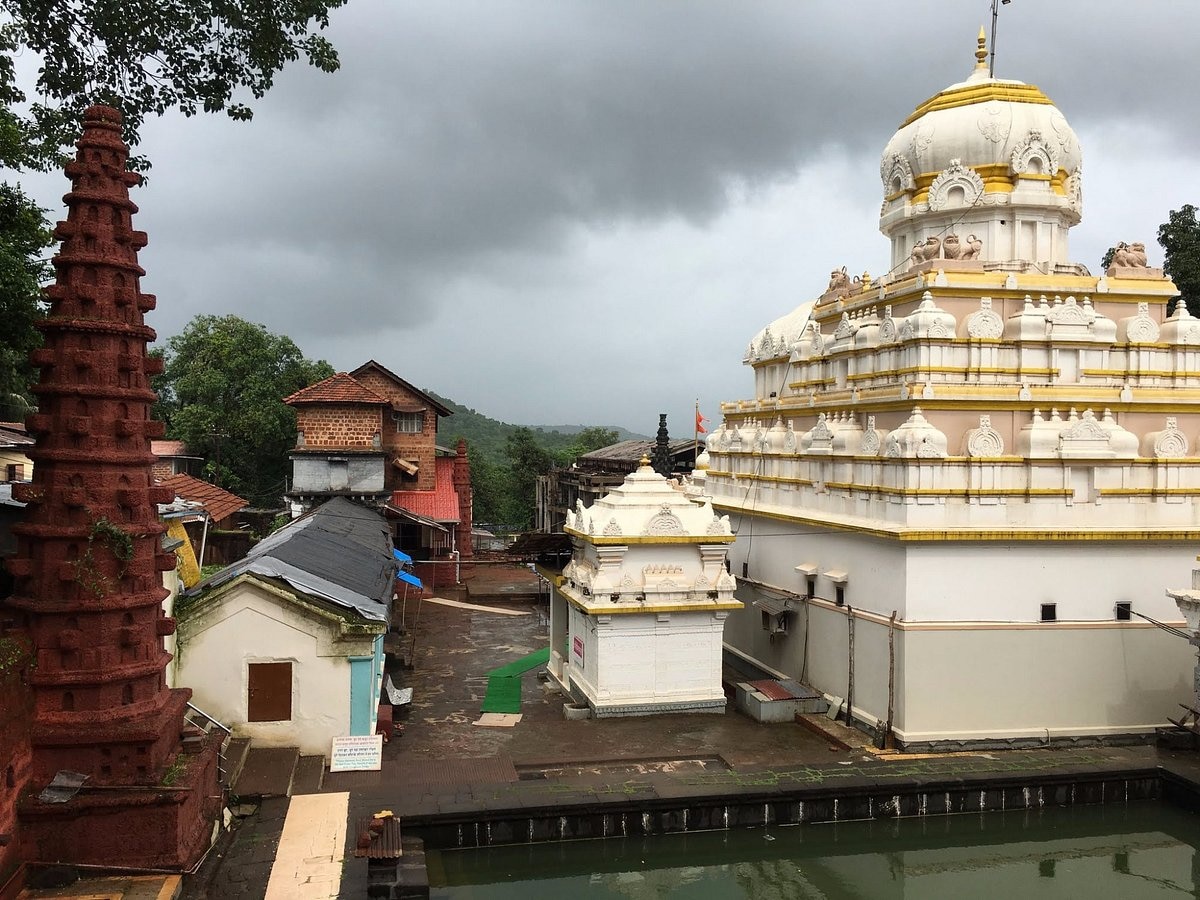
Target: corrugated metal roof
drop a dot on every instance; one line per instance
(440, 504)
(632, 451)
(339, 552)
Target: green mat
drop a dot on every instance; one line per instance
(504, 684)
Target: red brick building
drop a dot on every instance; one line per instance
(372, 436)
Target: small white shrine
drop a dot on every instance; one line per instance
(637, 622)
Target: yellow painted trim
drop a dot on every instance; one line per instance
(1138, 373)
(902, 625)
(968, 96)
(621, 609)
(947, 535)
(1030, 176)
(913, 492)
(1149, 492)
(620, 540)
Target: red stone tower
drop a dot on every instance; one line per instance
(89, 559)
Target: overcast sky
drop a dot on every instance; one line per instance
(580, 212)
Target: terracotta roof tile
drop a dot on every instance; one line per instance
(219, 502)
(168, 448)
(339, 388)
(440, 504)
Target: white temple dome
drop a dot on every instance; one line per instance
(777, 338)
(968, 158)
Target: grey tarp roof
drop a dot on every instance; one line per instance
(339, 552)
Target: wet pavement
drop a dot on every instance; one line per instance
(443, 767)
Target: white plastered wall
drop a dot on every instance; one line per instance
(247, 625)
(972, 659)
(646, 659)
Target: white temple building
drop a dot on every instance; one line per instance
(637, 622)
(957, 488)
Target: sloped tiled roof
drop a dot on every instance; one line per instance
(219, 502)
(439, 408)
(339, 388)
(169, 448)
(13, 434)
(440, 504)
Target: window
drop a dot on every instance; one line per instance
(811, 585)
(409, 422)
(1124, 611)
(839, 594)
(269, 692)
(1049, 612)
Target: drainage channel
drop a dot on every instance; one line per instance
(544, 820)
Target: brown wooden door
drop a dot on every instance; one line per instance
(270, 692)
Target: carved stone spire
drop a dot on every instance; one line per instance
(661, 458)
(89, 559)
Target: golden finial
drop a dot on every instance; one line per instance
(981, 51)
(645, 460)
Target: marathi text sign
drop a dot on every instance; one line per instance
(357, 753)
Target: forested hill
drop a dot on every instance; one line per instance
(489, 437)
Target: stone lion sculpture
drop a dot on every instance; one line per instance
(973, 249)
(926, 251)
(838, 280)
(1129, 255)
(951, 248)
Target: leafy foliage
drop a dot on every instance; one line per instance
(1180, 238)
(506, 459)
(222, 395)
(145, 57)
(23, 238)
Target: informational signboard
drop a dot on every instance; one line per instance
(357, 753)
(577, 647)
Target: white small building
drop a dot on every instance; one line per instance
(637, 622)
(286, 645)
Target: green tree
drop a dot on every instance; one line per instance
(527, 460)
(1180, 239)
(23, 238)
(591, 438)
(145, 57)
(489, 488)
(222, 392)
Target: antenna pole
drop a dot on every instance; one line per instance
(996, 4)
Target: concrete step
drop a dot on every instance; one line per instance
(235, 751)
(310, 775)
(268, 772)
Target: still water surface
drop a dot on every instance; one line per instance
(1142, 850)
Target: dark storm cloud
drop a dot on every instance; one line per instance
(450, 178)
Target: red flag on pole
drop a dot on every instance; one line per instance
(700, 420)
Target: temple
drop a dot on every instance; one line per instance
(88, 587)
(959, 487)
(637, 619)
